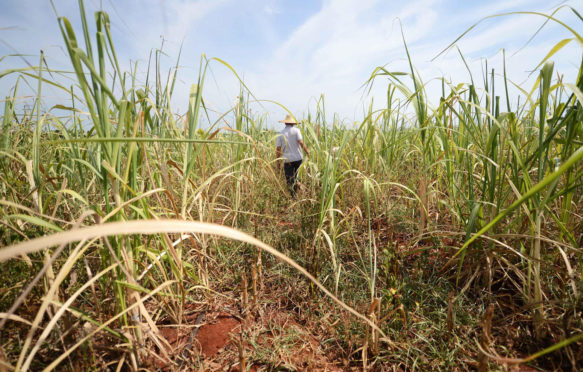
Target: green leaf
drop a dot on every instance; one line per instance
(35, 221)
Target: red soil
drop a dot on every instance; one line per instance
(214, 336)
(211, 340)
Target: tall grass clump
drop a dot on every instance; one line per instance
(432, 229)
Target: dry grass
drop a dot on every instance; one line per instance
(448, 239)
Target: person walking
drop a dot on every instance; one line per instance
(288, 144)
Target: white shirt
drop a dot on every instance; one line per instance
(288, 140)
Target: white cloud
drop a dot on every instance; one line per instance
(335, 50)
(272, 7)
(185, 15)
(332, 51)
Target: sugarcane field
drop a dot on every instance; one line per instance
(330, 185)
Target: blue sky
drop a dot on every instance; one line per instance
(294, 51)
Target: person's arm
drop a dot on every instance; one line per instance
(301, 141)
(304, 147)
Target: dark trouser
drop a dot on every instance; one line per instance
(291, 172)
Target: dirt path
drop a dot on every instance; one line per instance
(222, 340)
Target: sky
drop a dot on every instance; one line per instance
(294, 51)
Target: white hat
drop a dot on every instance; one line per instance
(289, 120)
